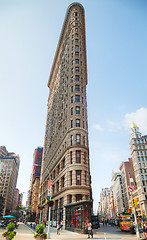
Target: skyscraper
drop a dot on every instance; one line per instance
(138, 145)
(66, 151)
(35, 182)
(10, 162)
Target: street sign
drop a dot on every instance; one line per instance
(131, 189)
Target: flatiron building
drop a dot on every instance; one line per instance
(66, 151)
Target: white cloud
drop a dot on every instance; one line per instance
(139, 117)
(98, 127)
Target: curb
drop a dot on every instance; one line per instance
(29, 228)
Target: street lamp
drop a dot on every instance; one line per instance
(135, 215)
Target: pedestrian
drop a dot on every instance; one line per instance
(90, 232)
(61, 225)
(45, 222)
(145, 229)
(58, 228)
(106, 222)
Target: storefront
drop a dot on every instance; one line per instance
(78, 215)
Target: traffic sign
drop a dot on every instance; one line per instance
(131, 189)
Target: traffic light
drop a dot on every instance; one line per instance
(134, 202)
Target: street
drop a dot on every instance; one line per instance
(109, 232)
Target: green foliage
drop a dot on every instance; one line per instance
(40, 228)
(42, 235)
(10, 226)
(9, 232)
(12, 235)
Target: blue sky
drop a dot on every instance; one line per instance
(117, 78)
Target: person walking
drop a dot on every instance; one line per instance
(90, 232)
(58, 228)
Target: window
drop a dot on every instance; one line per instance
(77, 110)
(144, 189)
(144, 152)
(76, 14)
(77, 88)
(76, 29)
(76, 54)
(63, 163)
(72, 89)
(141, 153)
(70, 177)
(77, 61)
(76, 34)
(143, 147)
(62, 181)
(142, 140)
(72, 70)
(71, 111)
(77, 69)
(84, 140)
(83, 124)
(77, 138)
(76, 40)
(138, 141)
(77, 122)
(78, 156)
(139, 164)
(142, 177)
(72, 79)
(71, 139)
(135, 141)
(57, 186)
(137, 153)
(53, 187)
(84, 157)
(71, 123)
(143, 165)
(142, 158)
(76, 47)
(72, 99)
(78, 177)
(77, 98)
(72, 62)
(77, 78)
(70, 157)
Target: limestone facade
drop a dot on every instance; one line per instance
(66, 151)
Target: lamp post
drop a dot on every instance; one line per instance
(135, 215)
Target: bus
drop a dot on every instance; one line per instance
(95, 221)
